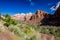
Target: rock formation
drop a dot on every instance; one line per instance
(19, 17)
(57, 12)
(28, 16)
(36, 19)
(22, 17)
(56, 17)
(43, 18)
(40, 18)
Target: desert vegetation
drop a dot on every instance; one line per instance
(8, 20)
(0, 30)
(27, 31)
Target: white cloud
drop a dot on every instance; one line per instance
(29, 13)
(22, 13)
(52, 8)
(19, 14)
(58, 4)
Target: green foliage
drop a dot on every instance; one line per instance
(1, 18)
(7, 16)
(6, 24)
(9, 21)
(14, 22)
(24, 31)
(50, 30)
(29, 32)
(0, 30)
(14, 29)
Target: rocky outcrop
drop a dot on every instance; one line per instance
(28, 16)
(36, 19)
(57, 12)
(55, 19)
(40, 18)
(19, 17)
(22, 17)
(43, 18)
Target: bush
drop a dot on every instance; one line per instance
(9, 21)
(25, 32)
(6, 24)
(50, 30)
(0, 30)
(31, 32)
(15, 30)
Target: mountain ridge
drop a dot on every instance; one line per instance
(41, 18)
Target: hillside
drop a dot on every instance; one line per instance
(39, 26)
(23, 31)
(40, 18)
(5, 34)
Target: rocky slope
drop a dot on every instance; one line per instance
(5, 34)
(37, 18)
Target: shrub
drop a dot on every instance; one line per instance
(25, 32)
(15, 29)
(50, 30)
(31, 32)
(0, 30)
(9, 21)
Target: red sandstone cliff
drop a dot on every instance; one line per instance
(38, 17)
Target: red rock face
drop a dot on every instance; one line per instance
(19, 17)
(32, 18)
(42, 14)
(43, 18)
(28, 17)
(38, 17)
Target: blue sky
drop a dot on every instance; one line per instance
(24, 6)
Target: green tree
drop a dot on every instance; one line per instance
(7, 16)
(0, 17)
(9, 21)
